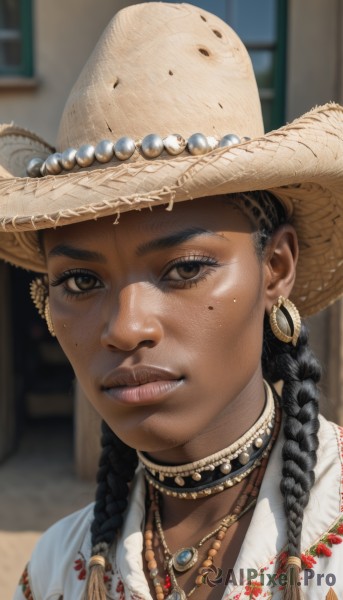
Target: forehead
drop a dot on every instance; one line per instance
(216, 214)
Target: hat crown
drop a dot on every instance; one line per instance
(163, 68)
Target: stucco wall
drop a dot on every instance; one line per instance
(314, 54)
(314, 76)
(65, 32)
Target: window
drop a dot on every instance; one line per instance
(16, 38)
(261, 24)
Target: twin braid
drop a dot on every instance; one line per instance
(300, 372)
(116, 469)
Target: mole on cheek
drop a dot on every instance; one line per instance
(210, 307)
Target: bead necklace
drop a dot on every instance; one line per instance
(218, 471)
(186, 557)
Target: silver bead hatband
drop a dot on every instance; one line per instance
(150, 147)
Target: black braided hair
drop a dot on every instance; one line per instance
(298, 368)
(300, 373)
(117, 465)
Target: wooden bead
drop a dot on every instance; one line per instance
(159, 589)
(220, 535)
(148, 534)
(212, 552)
(206, 563)
(216, 545)
(149, 555)
(152, 564)
(199, 581)
(160, 596)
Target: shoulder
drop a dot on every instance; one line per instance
(59, 556)
(326, 495)
(330, 451)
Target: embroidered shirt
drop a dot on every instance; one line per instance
(57, 569)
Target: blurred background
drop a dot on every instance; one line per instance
(48, 432)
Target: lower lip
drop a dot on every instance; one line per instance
(146, 394)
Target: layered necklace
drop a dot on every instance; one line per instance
(183, 559)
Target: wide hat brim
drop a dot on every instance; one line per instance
(301, 163)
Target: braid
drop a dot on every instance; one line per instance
(117, 465)
(300, 372)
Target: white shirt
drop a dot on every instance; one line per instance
(52, 574)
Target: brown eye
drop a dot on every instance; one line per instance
(81, 283)
(188, 270)
(185, 271)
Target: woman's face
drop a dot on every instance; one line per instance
(161, 317)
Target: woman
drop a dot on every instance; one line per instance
(177, 321)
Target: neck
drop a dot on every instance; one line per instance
(240, 413)
(239, 416)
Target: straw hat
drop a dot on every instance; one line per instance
(160, 70)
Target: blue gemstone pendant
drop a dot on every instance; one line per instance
(177, 594)
(184, 559)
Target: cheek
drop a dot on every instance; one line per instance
(76, 331)
(229, 338)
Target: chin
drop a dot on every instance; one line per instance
(149, 438)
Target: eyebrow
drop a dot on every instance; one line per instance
(76, 253)
(174, 239)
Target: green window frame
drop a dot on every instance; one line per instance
(18, 60)
(272, 93)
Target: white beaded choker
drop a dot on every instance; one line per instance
(244, 452)
(151, 146)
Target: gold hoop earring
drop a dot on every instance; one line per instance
(285, 321)
(48, 318)
(40, 298)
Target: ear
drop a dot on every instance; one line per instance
(280, 260)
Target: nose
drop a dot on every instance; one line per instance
(131, 320)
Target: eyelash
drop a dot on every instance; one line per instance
(202, 261)
(72, 274)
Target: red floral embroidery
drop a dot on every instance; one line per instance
(322, 549)
(281, 564)
(253, 589)
(120, 590)
(80, 566)
(25, 584)
(340, 529)
(307, 561)
(332, 538)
